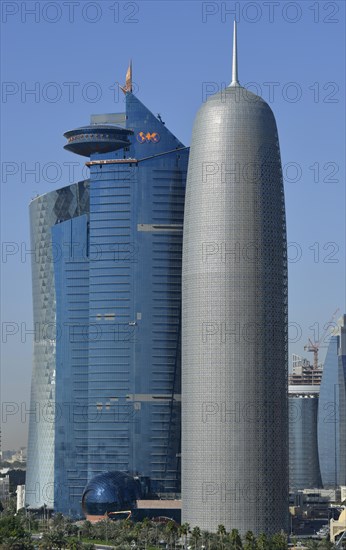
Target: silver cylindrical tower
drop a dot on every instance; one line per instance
(234, 320)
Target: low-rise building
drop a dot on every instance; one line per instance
(20, 497)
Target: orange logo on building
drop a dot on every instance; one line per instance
(153, 137)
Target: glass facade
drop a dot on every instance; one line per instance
(72, 313)
(46, 211)
(134, 380)
(329, 417)
(114, 293)
(304, 469)
(342, 399)
(110, 492)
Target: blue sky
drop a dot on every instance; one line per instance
(73, 54)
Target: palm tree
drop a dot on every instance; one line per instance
(58, 520)
(326, 545)
(87, 529)
(58, 539)
(279, 541)
(145, 527)
(184, 530)
(196, 535)
(221, 532)
(236, 543)
(250, 541)
(46, 541)
(262, 542)
(74, 544)
(206, 538)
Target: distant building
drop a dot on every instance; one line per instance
(304, 469)
(19, 456)
(342, 398)
(314, 496)
(4, 489)
(303, 373)
(329, 417)
(17, 477)
(7, 455)
(20, 497)
(343, 493)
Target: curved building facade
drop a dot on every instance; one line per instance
(234, 319)
(329, 417)
(45, 212)
(110, 492)
(342, 398)
(304, 468)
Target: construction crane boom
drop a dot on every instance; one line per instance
(314, 348)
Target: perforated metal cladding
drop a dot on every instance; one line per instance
(234, 320)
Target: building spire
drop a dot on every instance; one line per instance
(128, 80)
(235, 81)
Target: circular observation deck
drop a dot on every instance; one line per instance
(100, 138)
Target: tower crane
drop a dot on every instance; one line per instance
(314, 348)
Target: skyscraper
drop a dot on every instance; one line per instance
(342, 397)
(234, 319)
(46, 211)
(117, 289)
(304, 468)
(329, 417)
(332, 410)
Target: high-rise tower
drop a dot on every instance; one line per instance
(234, 319)
(304, 467)
(332, 410)
(111, 301)
(55, 207)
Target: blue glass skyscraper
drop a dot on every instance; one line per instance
(342, 398)
(328, 417)
(117, 287)
(46, 211)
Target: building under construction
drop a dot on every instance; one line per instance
(303, 394)
(304, 373)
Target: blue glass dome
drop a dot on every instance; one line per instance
(110, 492)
